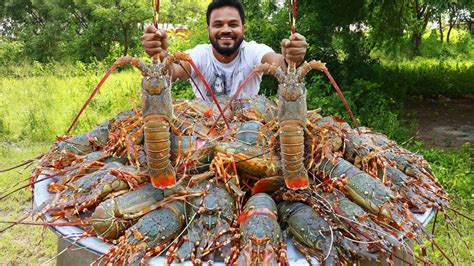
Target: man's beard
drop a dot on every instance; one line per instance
(227, 51)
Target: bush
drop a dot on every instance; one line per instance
(426, 77)
(10, 52)
(369, 103)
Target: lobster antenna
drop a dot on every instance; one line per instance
(192, 80)
(236, 94)
(94, 92)
(25, 163)
(292, 15)
(343, 99)
(14, 223)
(156, 11)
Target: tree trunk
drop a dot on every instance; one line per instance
(416, 41)
(451, 26)
(440, 22)
(125, 39)
(423, 13)
(452, 20)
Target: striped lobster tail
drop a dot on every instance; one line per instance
(157, 145)
(292, 151)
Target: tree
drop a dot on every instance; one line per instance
(423, 12)
(181, 12)
(440, 11)
(86, 29)
(120, 19)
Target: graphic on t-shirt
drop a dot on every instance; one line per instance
(219, 85)
(225, 78)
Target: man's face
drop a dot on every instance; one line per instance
(226, 31)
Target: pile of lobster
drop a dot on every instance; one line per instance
(189, 180)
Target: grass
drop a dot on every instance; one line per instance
(455, 170)
(36, 108)
(22, 244)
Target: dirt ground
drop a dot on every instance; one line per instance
(445, 123)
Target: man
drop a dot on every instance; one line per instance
(229, 59)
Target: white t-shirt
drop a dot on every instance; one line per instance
(225, 79)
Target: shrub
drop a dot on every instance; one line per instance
(426, 77)
(369, 103)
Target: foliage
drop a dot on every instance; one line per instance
(366, 101)
(454, 169)
(426, 77)
(182, 12)
(198, 35)
(10, 51)
(85, 30)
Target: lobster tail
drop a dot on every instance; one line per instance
(292, 151)
(157, 145)
(167, 178)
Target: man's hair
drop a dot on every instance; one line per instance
(222, 3)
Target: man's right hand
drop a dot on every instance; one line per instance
(155, 42)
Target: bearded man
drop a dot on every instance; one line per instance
(228, 59)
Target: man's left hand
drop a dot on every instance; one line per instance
(294, 48)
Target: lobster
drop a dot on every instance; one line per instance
(208, 216)
(292, 119)
(338, 212)
(157, 113)
(261, 236)
(404, 166)
(125, 136)
(312, 234)
(149, 236)
(210, 225)
(112, 217)
(86, 142)
(69, 150)
(89, 189)
(345, 233)
(157, 116)
(249, 160)
(366, 191)
(404, 172)
(257, 107)
(248, 133)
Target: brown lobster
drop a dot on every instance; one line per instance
(292, 119)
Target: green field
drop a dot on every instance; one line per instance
(36, 108)
(33, 111)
